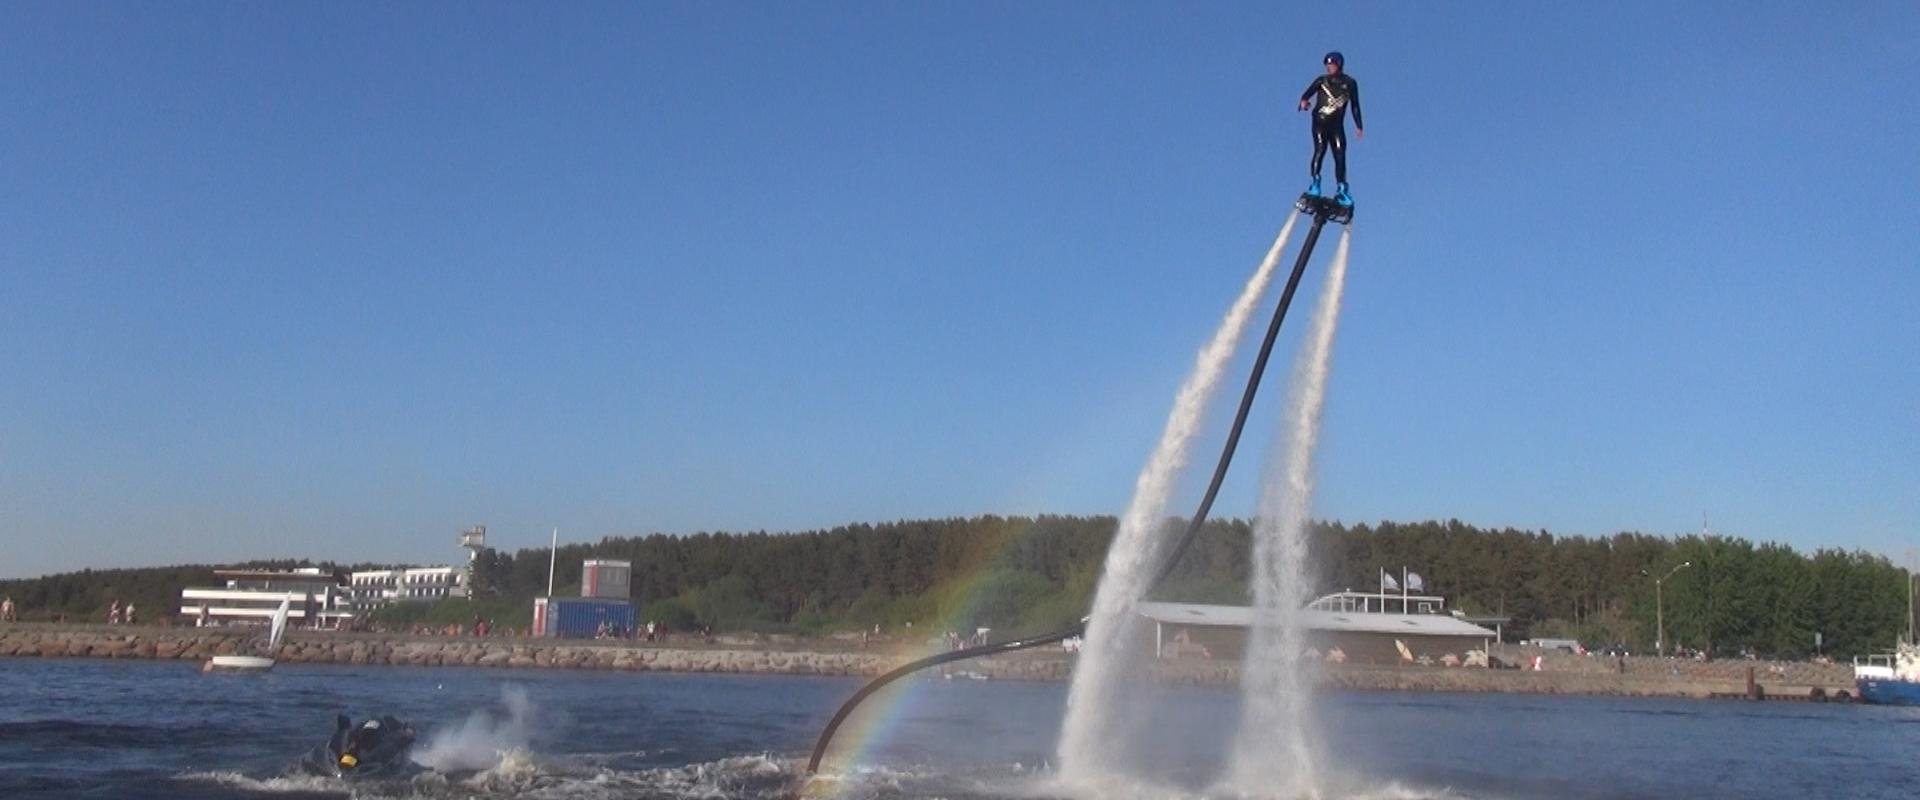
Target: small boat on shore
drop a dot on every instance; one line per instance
(254, 664)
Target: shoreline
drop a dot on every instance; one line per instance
(1561, 674)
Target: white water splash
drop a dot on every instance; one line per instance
(1097, 699)
(1275, 753)
(520, 777)
(285, 784)
(758, 777)
(484, 740)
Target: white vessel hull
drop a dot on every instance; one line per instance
(254, 663)
(237, 664)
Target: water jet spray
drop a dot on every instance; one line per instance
(1321, 210)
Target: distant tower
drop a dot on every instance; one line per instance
(475, 540)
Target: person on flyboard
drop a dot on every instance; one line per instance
(1330, 96)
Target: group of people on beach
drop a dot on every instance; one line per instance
(652, 631)
(116, 614)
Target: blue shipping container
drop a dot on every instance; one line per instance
(580, 617)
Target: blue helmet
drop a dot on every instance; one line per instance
(1335, 59)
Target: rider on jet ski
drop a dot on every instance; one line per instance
(377, 742)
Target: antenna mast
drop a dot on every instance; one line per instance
(553, 557)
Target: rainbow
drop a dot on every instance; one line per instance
(956, 602)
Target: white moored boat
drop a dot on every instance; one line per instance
(254, 663)
(1890, 680)
(1893, 679)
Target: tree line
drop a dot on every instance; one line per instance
(1026, 574)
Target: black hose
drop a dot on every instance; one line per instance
(1246, 404)
(1193, 526)
(826, 736)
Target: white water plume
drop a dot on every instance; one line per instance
(1274, 754)
(1099, 687)
(484, 740)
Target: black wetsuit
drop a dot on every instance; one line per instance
(375, 745)
(1331, 96)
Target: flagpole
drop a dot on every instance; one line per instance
(1403, 588)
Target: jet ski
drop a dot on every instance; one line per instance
(377, 748)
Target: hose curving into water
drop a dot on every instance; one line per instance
(1320, 212)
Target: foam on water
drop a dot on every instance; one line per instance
(747, 777)
(286, 784)
(518, 774)
(760, 777)
(1333, 785)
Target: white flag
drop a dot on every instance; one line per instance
(1414, 583)
(1388, 584)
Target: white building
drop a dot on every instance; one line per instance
(314, 598)
(374, 588)
(1367, 627)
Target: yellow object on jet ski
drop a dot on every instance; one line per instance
(347, 760)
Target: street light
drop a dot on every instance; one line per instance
(1660, 607)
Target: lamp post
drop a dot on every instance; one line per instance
(1660, 607)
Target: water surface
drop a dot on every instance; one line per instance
(92, 728)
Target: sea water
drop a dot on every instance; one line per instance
(97, 728)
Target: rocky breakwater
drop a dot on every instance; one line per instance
(590, 656)
(308, 647)
(1561, 673)
(101, 641)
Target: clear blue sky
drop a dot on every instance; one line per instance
(335, 281)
